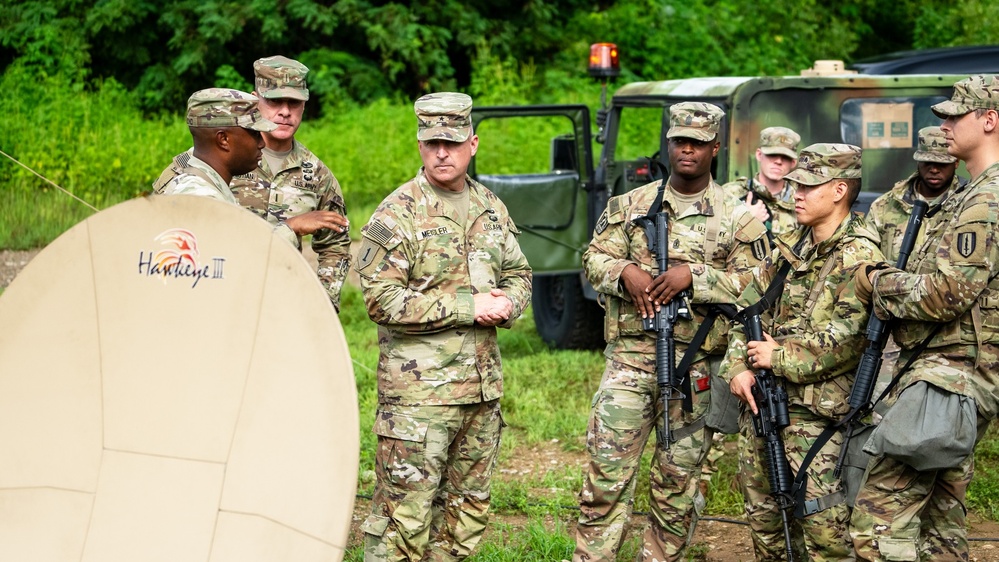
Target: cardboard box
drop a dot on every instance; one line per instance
(886, 125)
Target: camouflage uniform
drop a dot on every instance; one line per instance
(890, 212)
(819, 327)
(627, 404)
(773, 140)
(439, 373)
(889, 215)
(218, 107)
(198, 178)
(304, 183)
(781, 207)
(902, 513)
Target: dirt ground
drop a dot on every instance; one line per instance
(723, 541)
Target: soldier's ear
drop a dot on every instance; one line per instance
(840, 190)
(222, 139)
(991, 120)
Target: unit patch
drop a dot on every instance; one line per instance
(367, 253)
(759, 249)
(601, 223)
(966, 242)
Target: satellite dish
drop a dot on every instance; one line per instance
(174, 386)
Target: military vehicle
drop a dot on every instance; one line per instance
(555, 191)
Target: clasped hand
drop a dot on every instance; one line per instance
(492, 308)
(649, 294)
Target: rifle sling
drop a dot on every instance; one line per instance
(804, 508)
(683, 368)
(729, 311)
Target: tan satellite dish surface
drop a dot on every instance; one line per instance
(174, 386)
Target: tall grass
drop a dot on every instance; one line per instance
(95, 144)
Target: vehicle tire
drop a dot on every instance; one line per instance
(564, 318)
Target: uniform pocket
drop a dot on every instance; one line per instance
(401, 454)
(829, 397)
(375, 525)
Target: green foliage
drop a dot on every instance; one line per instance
(371, 149)
(163, 51)
(93, 142)
(983, 493)
(227, 77)
(362, 341)
(534, 542)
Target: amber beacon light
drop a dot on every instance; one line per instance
(603, 60)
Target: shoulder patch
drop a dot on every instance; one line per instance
(602, 223)
(969, 243)
(616, 211)
(367, 253)
(382, 231)
(759, 247)
(379, 233)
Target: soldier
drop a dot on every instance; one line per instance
(935, 177)
(291, 185)
(814, 336)
(713, 245)
(226, 127)
(768, 195)
(948, 297)
(441, 269)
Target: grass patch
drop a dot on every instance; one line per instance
(983, 493)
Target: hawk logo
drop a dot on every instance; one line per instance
(966, 243)
(179, 258)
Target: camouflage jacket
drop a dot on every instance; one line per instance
(781, 208)
(951, 279)
(303, 184)
(818, 322)
(198, 178)
(418, 272)
(739, 243)
(889, 214)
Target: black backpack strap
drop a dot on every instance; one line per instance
(804, 508)
(683, 368)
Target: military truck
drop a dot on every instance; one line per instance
(555, 191)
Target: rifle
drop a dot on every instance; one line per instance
(877, 336)
(773, 417)
(657, 231)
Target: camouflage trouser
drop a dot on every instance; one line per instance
(432, 469)
(905, 514)
(625, 409)
(821, 536)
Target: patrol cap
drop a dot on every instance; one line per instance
(444, 116)
(222, 107)
(974, 92)
(933, 147)
(695, 120)
(779, 140)
(824, 162)
(280, 77)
